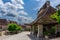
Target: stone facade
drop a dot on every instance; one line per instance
(3, 24)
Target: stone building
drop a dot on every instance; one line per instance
(3, 24)
(43, 21)
(9, 21)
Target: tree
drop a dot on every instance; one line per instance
(14, 27)
(56, 16)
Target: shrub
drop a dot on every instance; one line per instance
(46, 33)
(19, 28)
(56, 16)
(52, 30)
(14, 27)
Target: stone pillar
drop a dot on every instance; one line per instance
(56, 29)
(40, 31)
(33, 29)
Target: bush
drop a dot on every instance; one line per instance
(52, 30)
(56, 16)
(14, 27)
(46, 33)
(19, 28)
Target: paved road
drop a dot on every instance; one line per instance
(20, 36)
(56, 39)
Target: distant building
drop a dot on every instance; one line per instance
(12, 21)
(3, 24)
(27, 27)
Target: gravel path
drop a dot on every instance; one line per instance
(56, 39)
(20, 36)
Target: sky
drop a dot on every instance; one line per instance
(22, 11)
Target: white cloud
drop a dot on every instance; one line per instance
(40, 0)
(24, 19)
(37, 0)
(1, 3)
(11, 7)
(40, 4)
(18, 3)
(23, 12)
(9, 11)
(54, 3)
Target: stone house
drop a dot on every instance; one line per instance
(3, 24)
(27, 27)
(9, 21)
(43, 22)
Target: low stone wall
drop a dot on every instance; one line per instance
(2, 33)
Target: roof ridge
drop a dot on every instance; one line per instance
(42, 15)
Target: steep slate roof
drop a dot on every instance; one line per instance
(44, 15)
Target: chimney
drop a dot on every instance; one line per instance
(48, 3)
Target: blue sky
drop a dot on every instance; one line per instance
(22, 11)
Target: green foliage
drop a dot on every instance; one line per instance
(53, 29)
(14, 27)
(56, 16)
(18, 28)
(46, 33)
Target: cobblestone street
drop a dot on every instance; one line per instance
(21, 36)
(56, 39)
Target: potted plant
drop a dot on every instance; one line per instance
(46, 35)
